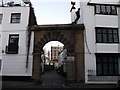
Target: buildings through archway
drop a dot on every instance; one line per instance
(50, 58)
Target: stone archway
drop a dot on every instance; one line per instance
(72, 38)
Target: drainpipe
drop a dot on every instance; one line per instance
(32, 22)
(28, 47)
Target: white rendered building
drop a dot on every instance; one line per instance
(15, 22)
(102, 40)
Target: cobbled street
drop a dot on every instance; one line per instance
(50, 79)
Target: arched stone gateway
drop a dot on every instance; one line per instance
(72, 38)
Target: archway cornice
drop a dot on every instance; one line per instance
(58, 27)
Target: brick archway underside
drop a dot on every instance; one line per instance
(66, 34)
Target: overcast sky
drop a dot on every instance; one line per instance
(53, 11)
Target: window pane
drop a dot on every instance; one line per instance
(1, 16)
(105, 59)
(15, 17)
(115, 35)
(114, 10)
(111, 71)
(99, 69)
(99, 60)
(105, 68)
(110, 36)
(99, 31)
(115, 31)
(17, 20)
(99, 38)
(99, 35)
(103, 10)
(105, 35)
(116, 69)
(119, 65)
(108, 9)
(97, 8)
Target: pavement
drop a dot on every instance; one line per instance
(51, 80)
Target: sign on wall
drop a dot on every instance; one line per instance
(70, 58)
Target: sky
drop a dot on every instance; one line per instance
(47, 47)
(51, 11)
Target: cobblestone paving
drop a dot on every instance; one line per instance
(49, 80)
(52, 79)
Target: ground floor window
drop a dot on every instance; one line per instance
(12, 47)
(108, 64)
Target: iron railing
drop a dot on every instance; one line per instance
(92, 76)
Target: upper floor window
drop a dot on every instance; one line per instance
(1, 16)
(15, 17)
(106, 9)
(107, 35)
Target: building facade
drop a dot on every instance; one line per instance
(62, 60)
(55, 50)
(15, 21)
(101, 40)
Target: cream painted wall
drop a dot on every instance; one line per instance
(90, 20)
(15, 64)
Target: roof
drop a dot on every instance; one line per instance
(111, 2)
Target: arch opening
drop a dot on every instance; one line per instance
(53, 57)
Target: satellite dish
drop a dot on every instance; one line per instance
(26, 1)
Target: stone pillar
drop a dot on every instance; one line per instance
(79, 57)
(70, 71)
(36, 74)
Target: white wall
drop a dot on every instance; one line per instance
(0, 47)
(119, 26)
(90, 20)
(15, 64)
(6, 25)
(106, 20)
(0, 54)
